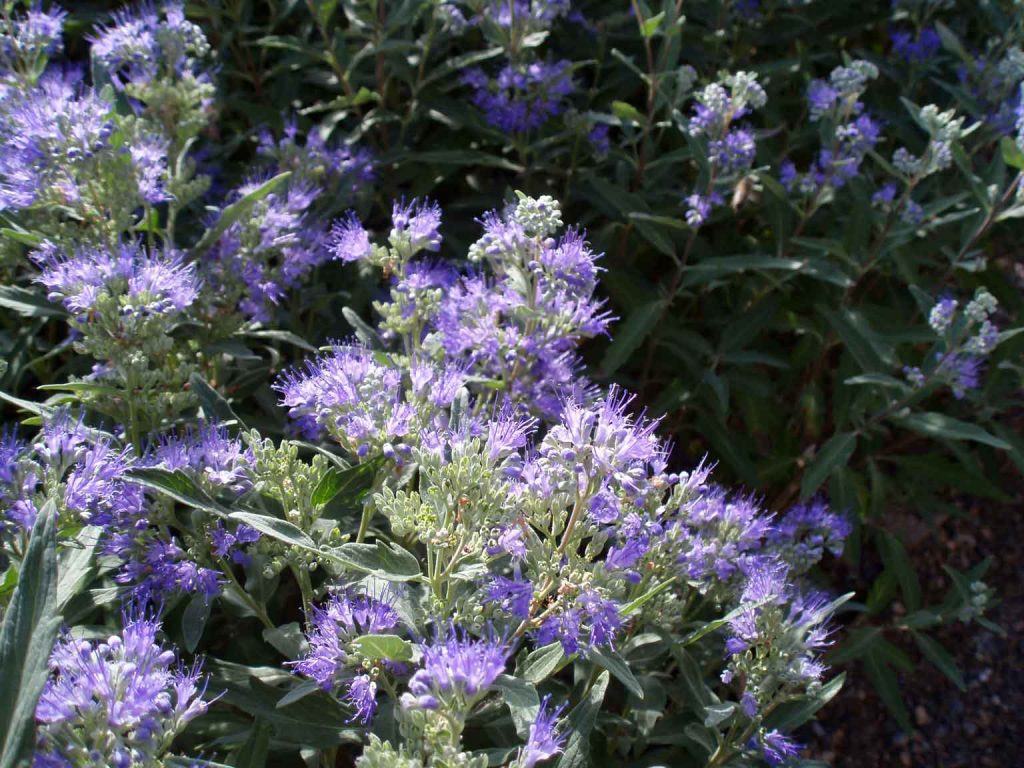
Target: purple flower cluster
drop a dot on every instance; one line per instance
(718, 534)
(854, 133)
(117, 702)
(994, 79)
(592, 622)
(806, 531)
(543, 741)
(139, 282)
(731, 148)
(256, 260)
(364, 403)
(144, 44)
(525, 13)
(524, 332)
(456, 669)
(26, 39)
(522, 98)
(51, 137)
(776, 637)
(915, 47)
(209, 455)
(345, 168)
(343, 618)
(967, 339)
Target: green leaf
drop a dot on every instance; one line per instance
(580, 723)
(895, 558)
(237, 210)
(194, 619)
(612, 661)
(29, 303)
(466, 157)
(273, 334)
(27, 635)
(177, 485)
(716, 715)
(30, 239)
(878, 379)
(626, 111)
(630, 335)
(942, 659)
(352, 483)
(721, 266)
(870, 350)
(883, 678)
(1013, 156)
(541, 663)
(300, 691)
(276, 528)
(253, 753)
(635, 605)
(387, 561)
(952, 43)
(287, 639)
(522, 701)
(649, 27)
(857, 643)
(75, 566)
(793, 714)
(27, 405)
(390, 647)
(363, 331)
(835, 453)
(215, 408)
(939, 425)
(315, 721)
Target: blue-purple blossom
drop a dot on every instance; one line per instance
(362, 697)
(591, 622)
(50, 140)
(349, 240)
(598, 138)
(699, 207)
(362, 402)
(117, 702)
(512, 596)
(716, 534)
(522, 325)
(332, 628)
(456, 670)
(915, 47)
(207, 453)
(531, 14)
(731, 147)
(941, 315)
(543, 742)
(779, 631)
(37, 33)
(145, 42)
(778, 748)
(256, 260)
(522, 97)
(149, 156)
(855, 135)
(344, 167)
(806, 531)
(734, 152)
(415, 226)
(141, 282)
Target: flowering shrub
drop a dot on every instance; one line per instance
(318, 484)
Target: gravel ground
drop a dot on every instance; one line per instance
(982, 726)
